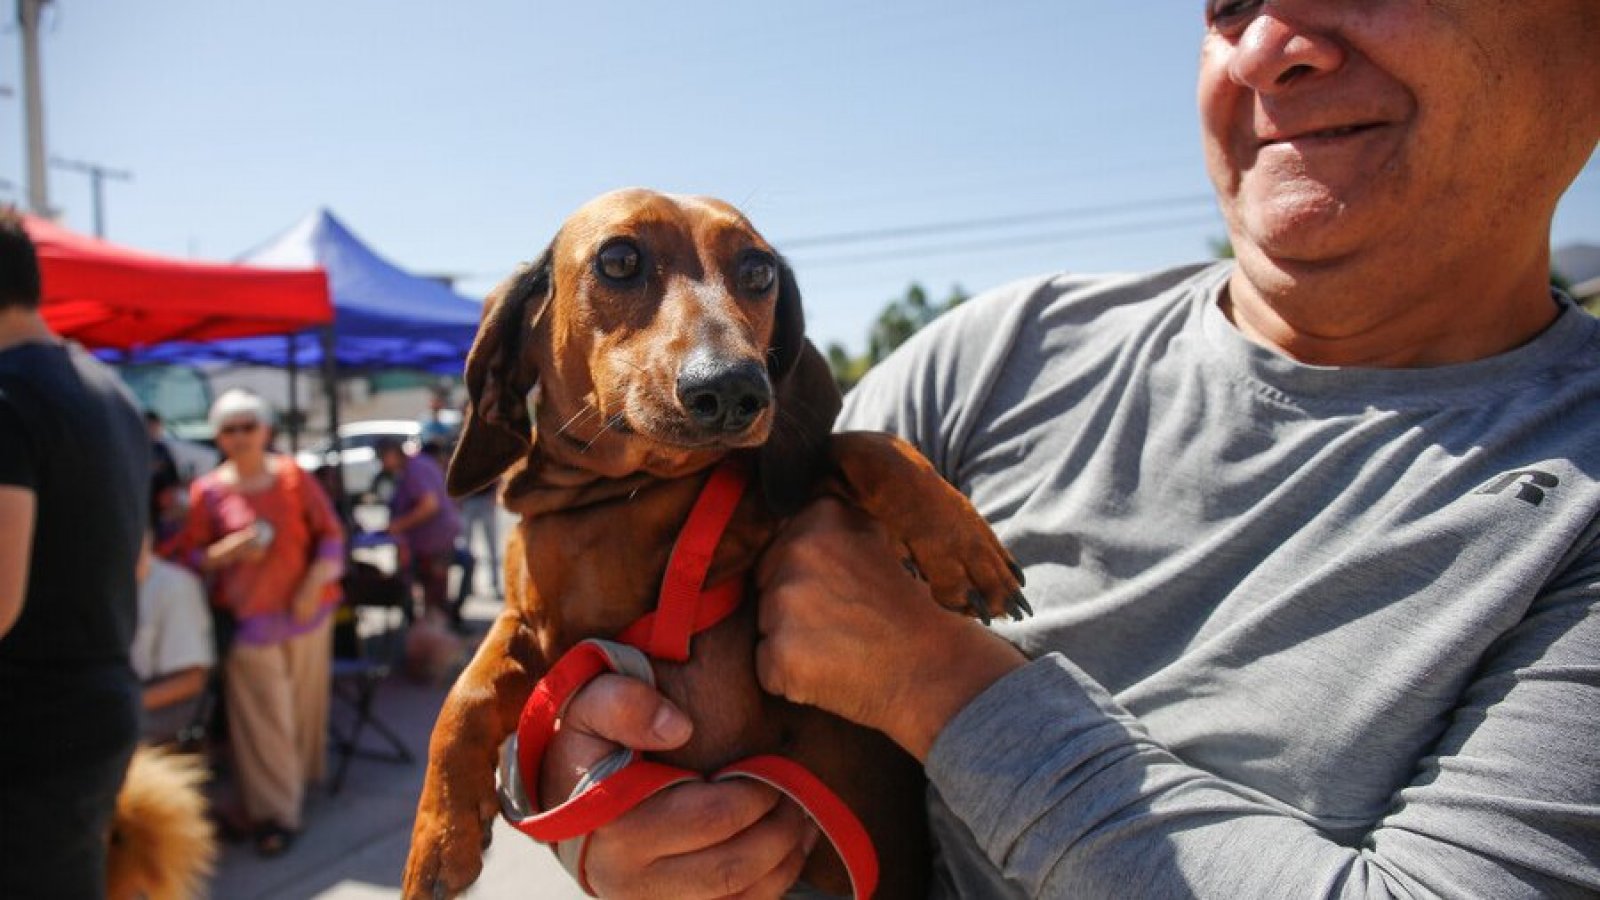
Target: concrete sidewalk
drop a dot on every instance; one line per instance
(354, 845)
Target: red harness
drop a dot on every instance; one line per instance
(621, 782)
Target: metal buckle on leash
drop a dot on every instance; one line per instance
(512, 788)
(516, 805)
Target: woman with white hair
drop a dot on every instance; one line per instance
(266, 537)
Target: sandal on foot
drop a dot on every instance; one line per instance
(273, 840)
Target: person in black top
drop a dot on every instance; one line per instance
(74, 483)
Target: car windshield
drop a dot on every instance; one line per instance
(358, 441)
(181, 395)
(366, 438)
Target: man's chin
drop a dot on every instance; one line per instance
(1304, 221)
(1302, 245)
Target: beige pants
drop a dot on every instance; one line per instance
(278, 721)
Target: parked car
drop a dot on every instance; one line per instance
(181, 396)
(192, 457)
(361, 466)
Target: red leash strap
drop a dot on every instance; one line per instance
(838, 823)
(685, 608)
(606, 799)
(716, 603)
(682, 610)
(679, 601)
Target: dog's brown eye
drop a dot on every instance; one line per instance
(757, 272)
(618, 260)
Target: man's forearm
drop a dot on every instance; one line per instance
(1067, 794)
(936, 696)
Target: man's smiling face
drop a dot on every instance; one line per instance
(1337, 131)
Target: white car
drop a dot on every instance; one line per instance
(360, 461)
(192, 458)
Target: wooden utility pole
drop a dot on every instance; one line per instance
(28, 13)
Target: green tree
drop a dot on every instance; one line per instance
(903, 317)
(847, 369)
(897, 323)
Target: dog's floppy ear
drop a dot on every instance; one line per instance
(497, 429)
(806, 403)
(788, 326)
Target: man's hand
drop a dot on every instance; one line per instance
(693, 841)
(847, 626)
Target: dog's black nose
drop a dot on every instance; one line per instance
(723, 396)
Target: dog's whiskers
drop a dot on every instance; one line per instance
(587, 408)
(608, 425)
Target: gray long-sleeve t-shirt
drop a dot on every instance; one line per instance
(1302, 631)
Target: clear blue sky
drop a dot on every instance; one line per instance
(454, 137)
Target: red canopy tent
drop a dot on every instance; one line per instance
(105, 296)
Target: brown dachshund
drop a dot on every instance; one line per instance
(656, 336)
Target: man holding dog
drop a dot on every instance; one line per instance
(1314, 537)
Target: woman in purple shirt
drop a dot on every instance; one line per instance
(422, 519)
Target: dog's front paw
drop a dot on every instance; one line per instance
(447, 846)
(444, 860)
(965, 565)
(951, 546)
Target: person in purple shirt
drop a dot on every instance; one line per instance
(423, 520)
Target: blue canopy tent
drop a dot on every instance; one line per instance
(383, 316)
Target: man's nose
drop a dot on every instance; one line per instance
(723, 395)
(1278, 49)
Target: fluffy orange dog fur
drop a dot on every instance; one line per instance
(162, 844)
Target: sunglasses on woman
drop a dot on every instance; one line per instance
(239, 428)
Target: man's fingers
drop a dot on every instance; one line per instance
(611, 712)
(746, 865)
(691, 817)
(775, 884)
(710, 840)
(628, 712)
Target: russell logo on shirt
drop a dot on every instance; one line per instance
(1532, 485)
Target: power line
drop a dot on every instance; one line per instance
(1079, 212)
(990, 245)
(97, 176)
(972, 177)
(973, 246)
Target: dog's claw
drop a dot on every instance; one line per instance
(1016, 571)
(978, 605)
(1017, 607)
(914, 569)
